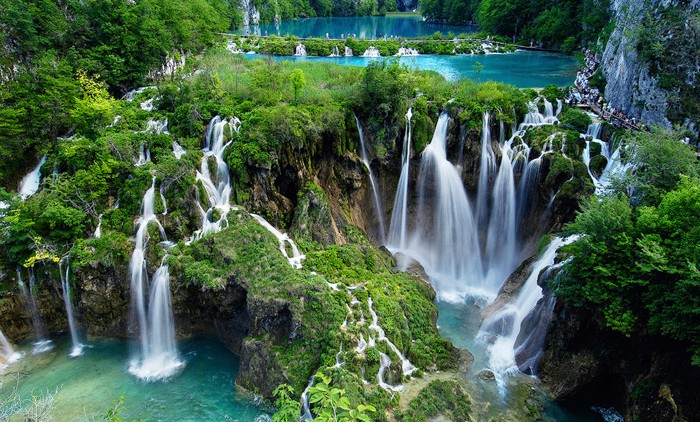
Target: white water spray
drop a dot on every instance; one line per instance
(30, 183)
(373, 182)
(77, 348)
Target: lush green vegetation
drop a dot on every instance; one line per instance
(667, 42)
(566, 24)
(439, 398)
(278, 46)
(636, 264)
(51, 48)
(291, 9)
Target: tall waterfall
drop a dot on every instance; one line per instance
(444, 240)
(468, 251)
(30, 183)
(158, 357)
(504, 324)
(7, 353)
(218, 186)
(42, 343)
(77, 349)
(373, 182)
(399, 216)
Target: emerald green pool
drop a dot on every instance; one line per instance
(88, 385)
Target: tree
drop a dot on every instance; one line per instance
(298, 83)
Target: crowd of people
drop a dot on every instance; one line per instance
(584, 93)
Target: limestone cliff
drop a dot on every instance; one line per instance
(648, 70)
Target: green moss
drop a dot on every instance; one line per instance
(573, 118)
(439, 398)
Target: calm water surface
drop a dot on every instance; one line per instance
(87, 385)
(369, 27)
(524, 69)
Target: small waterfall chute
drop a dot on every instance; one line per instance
(7, 352)
(399, 216)
(373, 182)
(296, 258)
(30, 183)
(372, 51)
(42, 343)
(300, 50)
(77, 348)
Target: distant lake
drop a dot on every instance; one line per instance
(524, 69)
(369, 27)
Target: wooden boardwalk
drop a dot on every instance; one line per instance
(610, 118)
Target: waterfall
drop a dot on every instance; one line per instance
(486, 168)
(335, 52)
(158, 356)
(30, 183)
(162, 200)
(98, 230)
(559, 107)
(160, 359)
(7, 353)
(178, 150)
(445, 239)
(77, 349)
(613, 165)
(144, 155)
(535, 118)
(371, 52)
(42, 344)
(217, 188)
(406, 367)
(407, 52)
(501, 247)
(348, 51)
(300, 50)
(373, 182)
(306, 414)
(505, 323)
(399, 215)
(296, 258)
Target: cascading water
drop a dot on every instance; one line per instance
(30, 183)
(504, 324)
(98, 229)
(160, 359)
(218, 189)
(300, 50)
(445, 240)
(613, 166)
(348, 52)
(399, 216)
(403, 51)
(373, 182)
(335, 52)
(296, 258)
(162, 200)
(158, 356)
(7, 353)
(371, 52)
(77, 349)
(41, 344)
(178, 150)
(486, 169)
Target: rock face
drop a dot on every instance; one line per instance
(630, 85)
(251, 15)
(647, 378)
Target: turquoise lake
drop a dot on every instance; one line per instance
(524, 69)
(368, 27)
(87, 385)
